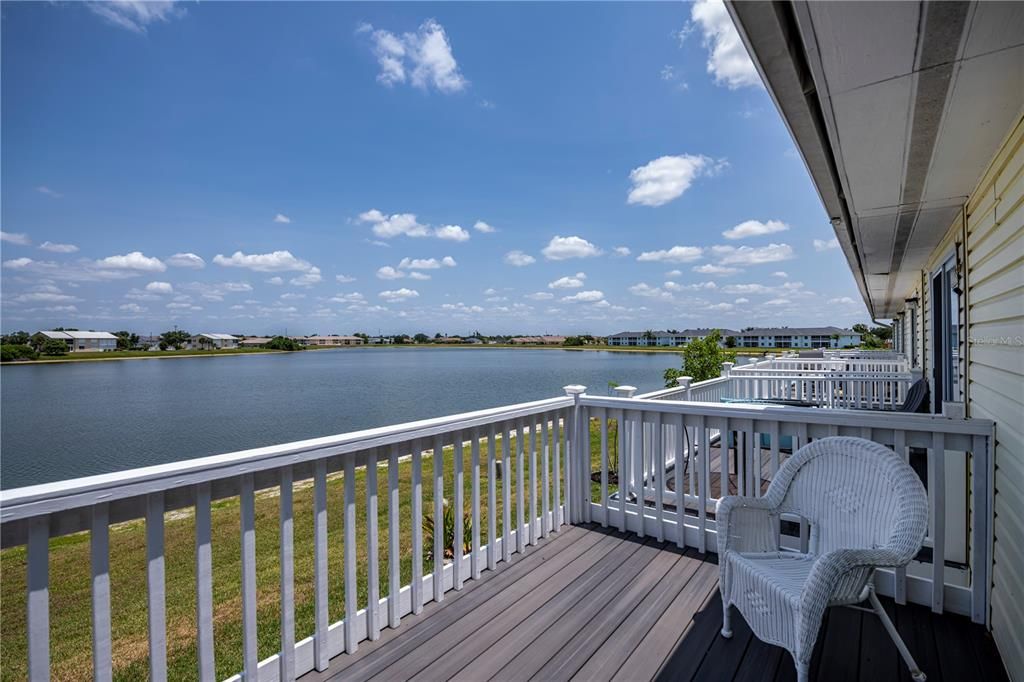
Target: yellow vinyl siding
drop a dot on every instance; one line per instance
(995, 317)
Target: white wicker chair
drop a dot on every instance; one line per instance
(866, 509)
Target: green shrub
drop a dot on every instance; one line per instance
(283, 343)
(9, 352)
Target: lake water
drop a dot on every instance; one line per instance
(77, 419)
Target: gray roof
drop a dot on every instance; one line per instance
(681, 332)
(78, 335)
(218, 337)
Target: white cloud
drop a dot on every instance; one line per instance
(481, 226)
(755, 228)
(709, 269)
(291, 297)
(402, 294)
(540, 296)
(133, 308)
(564, 248)
(826, 245)
(182, 306)
(276, 281)
(186, 260)
(720, 306)
(387, 227)
(58, 248)
(668, 72)
(646, 290)
(697, 286)
(780, 273)
(585, 297)
(453, 233)
(746, 289)
(136, 15)
(282, 218)
(354, 297)
(778, 301)
(519, 259)
(344, 279)
(53, 194)
(667, 177)
(277, 261)
(740, 300)
(43, 297)
(728, 61)
(415, 274)
(388, 272)
(749, 255)
(461, 307)
(569, 282)
(424, 58)
(677, 254)
(160, 287)
(18, 238)
(135, 260)
(426, 263)
(234, 287)
(674, 273)
(308, 278)
(622, 251)
(842, 300)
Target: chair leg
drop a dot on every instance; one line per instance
(915, 671)
(726, 629)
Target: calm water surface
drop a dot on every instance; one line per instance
(68, 420)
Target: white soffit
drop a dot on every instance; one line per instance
(885, 41)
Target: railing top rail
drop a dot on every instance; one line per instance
(806, 415)
(672, 390)
(72, 493)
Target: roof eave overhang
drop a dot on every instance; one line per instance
(770, 31)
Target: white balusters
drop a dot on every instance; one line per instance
(418, 598)
(492, 498)
(458, 455)
(394, 541)
(372, 550)
(38, 602)
(321, 654)
(520, 491)
(534, 434)
(287, 660)
(474, 562)
(603, 416)
(250, 657)
(438, 459)
(545, 477)
(351, 643)
(157, 612)
(99, 550)
(506, 494)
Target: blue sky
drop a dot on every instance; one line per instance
(332, 168)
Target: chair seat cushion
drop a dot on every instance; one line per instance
(762, 579)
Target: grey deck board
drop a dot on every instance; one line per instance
(594, 604)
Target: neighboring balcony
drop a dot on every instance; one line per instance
(585, 548)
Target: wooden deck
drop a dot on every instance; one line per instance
(592, 604)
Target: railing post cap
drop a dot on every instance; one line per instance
(683, 381)
(625, 391)
(574, 389)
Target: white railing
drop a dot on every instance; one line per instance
(669, 473)
(711, 390)
(846, 390)
(655, 434)
(535, 430)
(894, 364)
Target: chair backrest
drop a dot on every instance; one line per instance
(917, 397)
(857, 494)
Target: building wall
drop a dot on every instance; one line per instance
(989, 237)
(994, 362)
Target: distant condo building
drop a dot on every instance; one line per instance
(537, 340)
(83, 341)
(775, 337)
(329, 340)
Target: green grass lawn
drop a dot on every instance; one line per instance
(121, 354)
(70, 605)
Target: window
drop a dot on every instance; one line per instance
(945, 334)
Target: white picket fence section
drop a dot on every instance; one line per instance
(537, 434)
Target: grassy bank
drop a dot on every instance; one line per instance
(70, 603)
(83, 356)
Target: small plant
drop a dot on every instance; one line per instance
(448, 521)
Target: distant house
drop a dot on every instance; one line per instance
(254, 341)
(473, 341)
(213, 341)
(83, 341)
(379, 340)
(537, 340)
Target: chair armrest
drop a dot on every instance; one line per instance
(745, 524)
(838, 576)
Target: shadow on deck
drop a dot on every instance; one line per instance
(595, 604)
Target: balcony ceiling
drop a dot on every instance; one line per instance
(897, 109)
